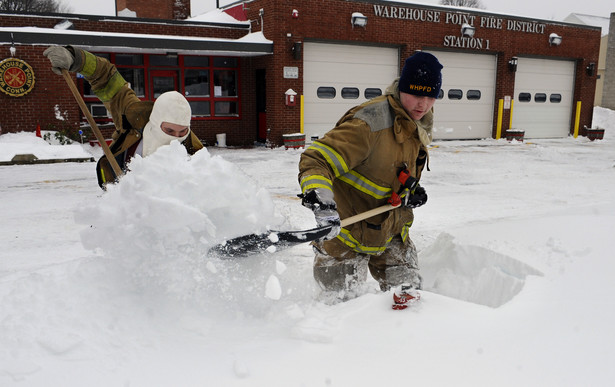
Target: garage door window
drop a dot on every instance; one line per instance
(326, 92)
(555, 98)
(525, 97)
(473, 95)
(455, 94)
(350, 93)
(372, 92)
(540, 97)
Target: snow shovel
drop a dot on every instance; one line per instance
(71, 85)
(253, 243)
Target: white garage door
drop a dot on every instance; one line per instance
(466, 108)
(338, 77)
(543, 98)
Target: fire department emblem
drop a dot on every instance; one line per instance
(16, 77)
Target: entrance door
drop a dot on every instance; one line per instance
(261, 105)
(161, 81)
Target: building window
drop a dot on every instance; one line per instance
(350, 93)
(196, 83)
(525, 97)
(372, 92)
(540, 97)
(555, 98)
(326, 92)
(210, 84)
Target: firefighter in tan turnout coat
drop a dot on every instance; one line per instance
(376, 151)
(141, 127)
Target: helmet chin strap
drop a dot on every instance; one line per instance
(154, 138)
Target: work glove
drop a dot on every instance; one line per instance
(321, 202)
(416, 198)
(61, 58)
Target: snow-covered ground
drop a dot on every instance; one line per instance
(116, 289)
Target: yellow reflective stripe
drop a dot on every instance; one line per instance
(316, 181)
(334, 159)
(405, 231)
(102, 175)
(354, 244)
(115, 83)
(365, 185)
(90, 64)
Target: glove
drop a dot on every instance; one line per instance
(61, 58)
(321, 202)
(416, 198)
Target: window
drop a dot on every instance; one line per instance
(196, 83)
(455, 94)
(350, 93)
(326, 92)
(473, 95)
(210, 84)
(555, 98)
(372, 92)
(225, 83)
(525, 97)
(135, 78)
(540, 97)
(163, 60)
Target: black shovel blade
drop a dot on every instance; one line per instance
(246, 245)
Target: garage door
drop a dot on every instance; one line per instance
(543, 98)
(466, 108)
(338, 77)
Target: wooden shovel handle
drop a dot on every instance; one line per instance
(367, 214)
(73, 88)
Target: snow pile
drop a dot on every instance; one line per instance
(12, 144)
(160, 220)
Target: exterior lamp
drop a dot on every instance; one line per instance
(358, 19)
(555, 39)
(590, 69)
(512, 63)
(296, 50)
(467, 30)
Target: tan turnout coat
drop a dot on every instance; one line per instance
(360, 160)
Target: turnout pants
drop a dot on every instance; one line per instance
(338, 268)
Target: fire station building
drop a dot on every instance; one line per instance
(258, 70)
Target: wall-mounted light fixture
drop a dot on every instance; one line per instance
(512, 63)
(467, 30)
(296, 49)
(590, 69)
(358, 19)
(555, 39)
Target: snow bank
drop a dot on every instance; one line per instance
(12, 144)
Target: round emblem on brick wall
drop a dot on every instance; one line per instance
(16, 77)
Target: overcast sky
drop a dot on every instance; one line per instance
(541, 9)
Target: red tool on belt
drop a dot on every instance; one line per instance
(407, 182)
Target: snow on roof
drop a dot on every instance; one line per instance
(217, 16)
(590, 20)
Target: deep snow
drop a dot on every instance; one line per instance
(116, 289)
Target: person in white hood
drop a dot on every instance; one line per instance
(141, 127)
